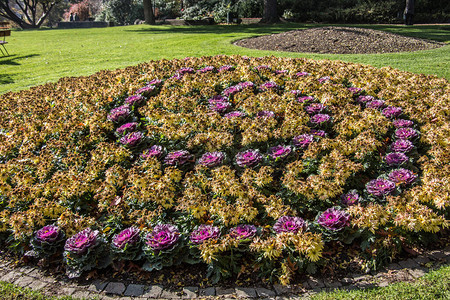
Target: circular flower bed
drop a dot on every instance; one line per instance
(226, 161)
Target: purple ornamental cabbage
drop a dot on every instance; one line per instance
(220, 107)
(392, 112)
(324, 79)
(320, 133)
(303, 140)
(119, 114)
(320, 119)
(211, 159)
(265, 114)
(399, 123)
(49, 234)
(289, 224)
(351, 198)
(278, 72)
(406, 133)
(231, 90)
(305, 99)
(155, 82)
(380, 187)
(204, 232)
(82, 241)
(147, 90)
(296, 92)
(179, 158)
(270, 85)
(246, 84)
(355, 90)
(364, 99)
(301, 74)
(132, 139)
(395, 158)
(154, 151)
(219, 104)
(375, 104)
(46, 241)
(207, 69)
(235, 114)
(163, 237)
(402, 146)
(176, 76)
(135, 99)
(402, 176)
(243, 232)
(187, 70)
(280, 152)
(249, 158)
(263, 67)
(129, 236)
(127, 128)
(334, 219)
(226, 68)
(315, 108)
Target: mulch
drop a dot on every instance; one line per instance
(338, 40)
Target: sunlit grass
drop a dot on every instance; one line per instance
(40, 56)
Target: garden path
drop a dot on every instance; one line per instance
(406, 270)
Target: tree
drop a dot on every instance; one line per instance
(26, 13)
(270, 14)
(148, 12)
(409, 12)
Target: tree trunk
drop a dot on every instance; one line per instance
(148, 12)
(409, 12)
(270, 14)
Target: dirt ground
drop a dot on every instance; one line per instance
(338, 40)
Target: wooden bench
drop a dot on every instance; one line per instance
(4, 32)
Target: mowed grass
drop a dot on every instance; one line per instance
(41, 56)
(434, 285)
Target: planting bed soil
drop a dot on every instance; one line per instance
(338, 40)
(245, 168)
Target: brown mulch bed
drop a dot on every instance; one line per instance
(338, 40)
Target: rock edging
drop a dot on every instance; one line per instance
(406, 270)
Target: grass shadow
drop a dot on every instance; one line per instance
(6, 79)
(440, 33)
(221, 29)
(11, 60)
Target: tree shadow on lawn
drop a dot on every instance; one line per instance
(222, 29)
(12, 59)
(6, 79)
(439, 33)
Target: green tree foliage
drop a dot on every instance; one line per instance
(122, 12)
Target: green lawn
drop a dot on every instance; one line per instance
(433, 286)
(40, 56)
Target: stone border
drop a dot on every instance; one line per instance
(407, 270)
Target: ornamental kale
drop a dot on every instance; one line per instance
(203, 233)
(249, 158)
(380, 187)
(243, 232)
(211, 159)
(289, 224)
(47, 241)
(84, 251)
(334, 219)
(126, 245)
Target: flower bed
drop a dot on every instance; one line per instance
(230, 161)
